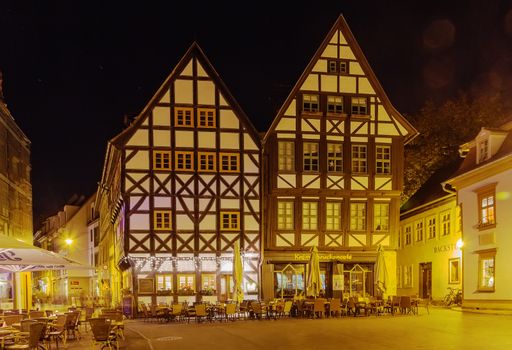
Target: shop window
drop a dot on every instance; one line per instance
(454, 270)
(163, 282)
(208, 284)
(289, 280)
(407, 281)
(186, 284)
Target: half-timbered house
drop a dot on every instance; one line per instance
(188, 170)
(334, 155)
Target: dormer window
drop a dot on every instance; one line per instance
(483, 150)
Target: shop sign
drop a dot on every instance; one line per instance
(444, 248)
(325, 256)
(75, 283)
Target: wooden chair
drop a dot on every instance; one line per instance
(258, 310)
(287, 308)
(72, 322)
(58, 330)
(102, 333)
(405, 305)
(36, 314)
(200, 312)
(10, 319)
(319, 308)
(177, 312)
(33, 340)
(230, 312)
(335, 307)
(48, 313)
(243, 309)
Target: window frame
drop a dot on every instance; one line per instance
(486, 192)
(288, 222)
(163, 216)
(310, 105)
(382, 165)
(230, 216)
(380, 218)
(210, 165)
(162, 154)
(335, 104)
(357, 218)
(207, 119)
(177, 155)
(230, 159)
(356, 107)
(451, 268)
(333, 216)
(419, 237)
(407, 235)
(314, 161)
(484, 255)
(166, 277)
(445, 224)
(431, 228)
(335, 157)
(309, 215)
(285, 155)
(177, 110)
(359, 162)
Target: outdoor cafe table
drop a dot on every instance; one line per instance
(5, 333)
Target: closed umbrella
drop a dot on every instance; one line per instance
(381, 272)
(238, 274)
(19, 256)
(314, 282)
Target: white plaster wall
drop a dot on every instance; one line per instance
(139, 221)
(139, 161)
(139, 138)
(162, 116)
(229, 140)
(205, 92)
(228, 119)
(183, 91)
(162, 138)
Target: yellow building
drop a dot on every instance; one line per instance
(15, 203)
(429, 258)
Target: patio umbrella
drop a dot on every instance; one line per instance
(381, 273)
(238, 273)
(19, 256)
(314, 282)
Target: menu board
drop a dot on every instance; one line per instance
(146, 285)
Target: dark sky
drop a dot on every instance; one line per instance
(73, 69)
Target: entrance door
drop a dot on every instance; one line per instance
(226, 287)
(425, 280)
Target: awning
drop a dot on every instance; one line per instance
(19, 256)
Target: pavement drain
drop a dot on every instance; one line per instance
(171, 338)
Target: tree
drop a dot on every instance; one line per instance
(443, 128)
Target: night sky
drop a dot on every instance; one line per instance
(74, 69)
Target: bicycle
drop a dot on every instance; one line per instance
(454, 296)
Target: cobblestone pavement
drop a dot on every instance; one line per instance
(441, 329)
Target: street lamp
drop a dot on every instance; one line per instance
(69, 241)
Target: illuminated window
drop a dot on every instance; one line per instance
(209, 282)
(186, 283)
(229, 162)
(309, 215)
(383, 160)
(207, 161)
(357, 216)
(486, 261)
(359, 105)
(286, 155)
(285, 215)
(163, 282)
(359, 159)
(333, 216)
(407, 235)
(230, 221)
(310, 156)
(419, 231)
(445, 223)
(206, 117)
(184, 161)
(334, 157)
(454, 270)
(310, 103)
(431, 227)
(183, 116)
(162, 219)
(487, 207)
(335, 104)
(381, 216)
(161, 160)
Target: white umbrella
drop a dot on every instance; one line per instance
(238, 273)
(19, 256)
(314, 281)
(381, 272)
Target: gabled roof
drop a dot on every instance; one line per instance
(432, 190)
(470, 161)
(193, 51)
(342, 25)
